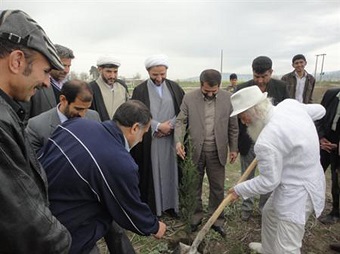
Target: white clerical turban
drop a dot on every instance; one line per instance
(107, 60)
(156, 60)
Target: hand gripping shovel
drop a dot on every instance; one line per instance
(185, 249)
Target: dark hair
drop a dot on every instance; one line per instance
(131, 112)
(77, 88)
(297, 57)
(212, 77)
(6, 47)
(262, 64)
(64, 52)
(232, 76)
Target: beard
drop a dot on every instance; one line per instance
(109, 81)
(157, 83)
(209, 98)
(255, 128)
(69, 114)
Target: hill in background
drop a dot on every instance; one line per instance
(327, 76)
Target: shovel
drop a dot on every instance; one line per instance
(185, 249)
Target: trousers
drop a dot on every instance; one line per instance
(279, 236)
(209, 163)
(248, 204)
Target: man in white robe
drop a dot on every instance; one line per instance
(287, 150)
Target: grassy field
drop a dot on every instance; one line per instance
(239, 233)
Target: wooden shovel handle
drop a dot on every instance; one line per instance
(247, 172)
(218, 211)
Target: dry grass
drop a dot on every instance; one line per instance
(239, 234)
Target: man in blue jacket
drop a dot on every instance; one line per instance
(93, 179)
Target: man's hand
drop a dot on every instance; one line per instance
(326, 145)
(233, 194)
(165, 128)
(161, 230)
(232, 157)
(180, 150)
(159, 134)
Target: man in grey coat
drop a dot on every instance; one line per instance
(205, 113)
(75, 100)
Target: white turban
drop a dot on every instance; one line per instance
(156, 60)
(107, 60)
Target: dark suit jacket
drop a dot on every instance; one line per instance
(191, 117)
(277, 90)
(330, 101)
(290, 78)
(43, 100)
(41, 127)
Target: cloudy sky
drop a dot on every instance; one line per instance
(191, 32)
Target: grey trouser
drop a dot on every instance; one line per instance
(210, 163)
(248, 204)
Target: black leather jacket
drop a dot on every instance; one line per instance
(26, 223)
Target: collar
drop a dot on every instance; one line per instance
(14, 105)
(61, 116)
(57, 84)
(127, 147)
(303, 76)
(338, 95)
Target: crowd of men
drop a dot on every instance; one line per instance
(82, 161)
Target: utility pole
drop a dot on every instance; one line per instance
(316, 65)
(222, 62)
(321, 72)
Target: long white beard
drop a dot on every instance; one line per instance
(255, 128)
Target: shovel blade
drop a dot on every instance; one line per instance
(186, 249)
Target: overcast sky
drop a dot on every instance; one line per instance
(192, 33)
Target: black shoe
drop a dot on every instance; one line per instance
(335, 247)
(194, 227)
(329, 219)
(220, 230)
(171, 213)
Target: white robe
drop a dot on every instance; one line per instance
(288, 157)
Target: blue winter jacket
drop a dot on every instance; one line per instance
(92, 180)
